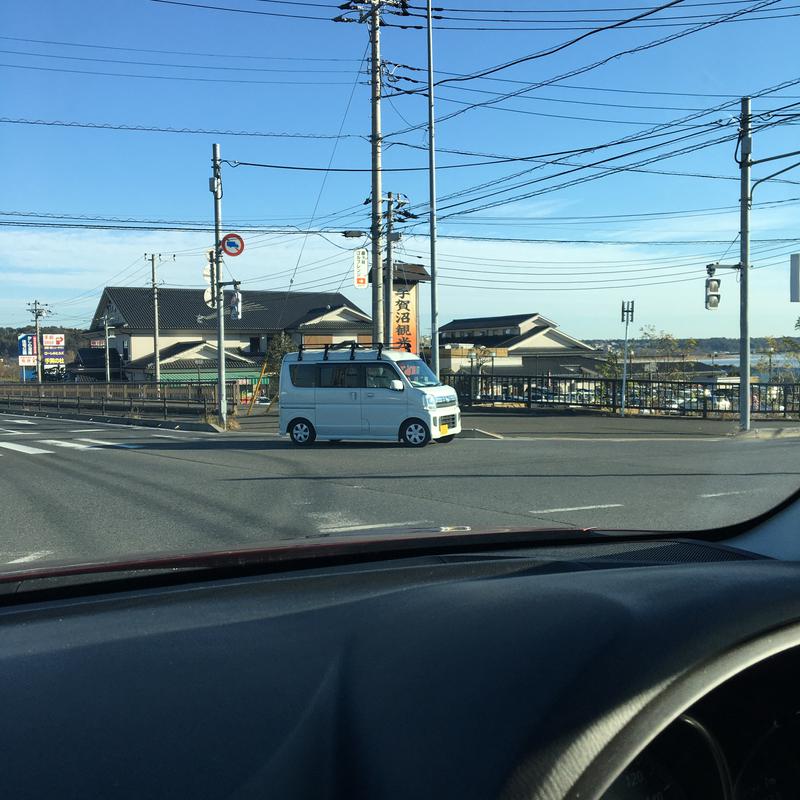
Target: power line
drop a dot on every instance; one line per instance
(241, 10)
(171, 77)
(171, 66)
(586, 67)
(112, 126)
(209, 54)
(551, 28)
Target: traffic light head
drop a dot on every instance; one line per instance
(712, 293)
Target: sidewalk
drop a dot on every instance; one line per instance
(511, 423)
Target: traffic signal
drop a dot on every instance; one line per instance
(712, 292)
(236, 305)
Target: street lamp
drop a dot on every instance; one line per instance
(770, 352)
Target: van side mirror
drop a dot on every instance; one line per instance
(396, 385)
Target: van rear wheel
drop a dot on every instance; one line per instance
(302, 432)
(414, 433)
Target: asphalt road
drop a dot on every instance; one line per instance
(77, 490)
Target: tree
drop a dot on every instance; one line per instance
(612, 366)
(279, 345)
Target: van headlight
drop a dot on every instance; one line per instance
(430, 402)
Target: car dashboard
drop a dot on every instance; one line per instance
(622, 667)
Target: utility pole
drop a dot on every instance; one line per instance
(107, 355)
(38, 310)
(215, 185)
(378, 332)
(156, 348)
(744, 264)
(627, 318)
(389, 278)
(432, 200)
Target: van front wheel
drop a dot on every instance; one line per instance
(302, 432)
(414, 433)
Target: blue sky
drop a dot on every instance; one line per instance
(253, 72)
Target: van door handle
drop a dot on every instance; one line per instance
(370, 394)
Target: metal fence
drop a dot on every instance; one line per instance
(165, 400)
(681, 398)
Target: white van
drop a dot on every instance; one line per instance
(345, 392)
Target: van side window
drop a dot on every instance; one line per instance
(342, 376)
(380, 376)
(303, 375)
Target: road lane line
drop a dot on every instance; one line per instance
(724, 494)
(9, 432)
(35, 556)
(168, 436)
(347, 528)
(22, 422)
(23, 448)
(84, 430)
(575, 508)
(65, 443)
(103, 443)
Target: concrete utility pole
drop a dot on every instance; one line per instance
(107, 354)
(378, 331)
(389, 278)
(627, 318)
(156, 347)
(744, 265)
(38, 310)
(432, 200)
(215, 185)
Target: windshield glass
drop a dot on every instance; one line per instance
(203, 323)
(418, 373)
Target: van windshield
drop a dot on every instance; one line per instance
(418, 373)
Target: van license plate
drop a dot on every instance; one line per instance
(443, 429)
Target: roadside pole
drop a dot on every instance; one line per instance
(107, 357)
(378, 332)
(627, 318)
(388, 286)
(38, 310)
(432, 200)
(215, 185)
(744, 265)
(156, 347)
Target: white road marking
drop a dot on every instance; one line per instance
(35, 556)
(103, 443)
(575, 508)
(346, 528)
(724, 494)
(84, 430)
(591, 439)
(22, 422)
(23, 448)
(169, 436)
(10, 432)
(65, 443)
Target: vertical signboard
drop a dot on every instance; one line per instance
(360, 268)
(794, 278)
(405, 328)
(53, 351)
(26, 355)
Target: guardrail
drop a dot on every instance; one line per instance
(164, 400)
(681, 398)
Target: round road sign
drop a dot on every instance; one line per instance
(232, 244)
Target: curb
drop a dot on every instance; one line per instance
(477, 433)
(770, 433)
(145, 423)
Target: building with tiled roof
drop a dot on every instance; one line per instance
(188, 328)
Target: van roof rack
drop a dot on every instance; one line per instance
(353, 346)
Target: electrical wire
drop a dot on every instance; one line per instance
(586, 67)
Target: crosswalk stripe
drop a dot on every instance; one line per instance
(23, 448)
(110, 444)
(63, 443)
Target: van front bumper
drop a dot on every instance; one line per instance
(446, 422)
